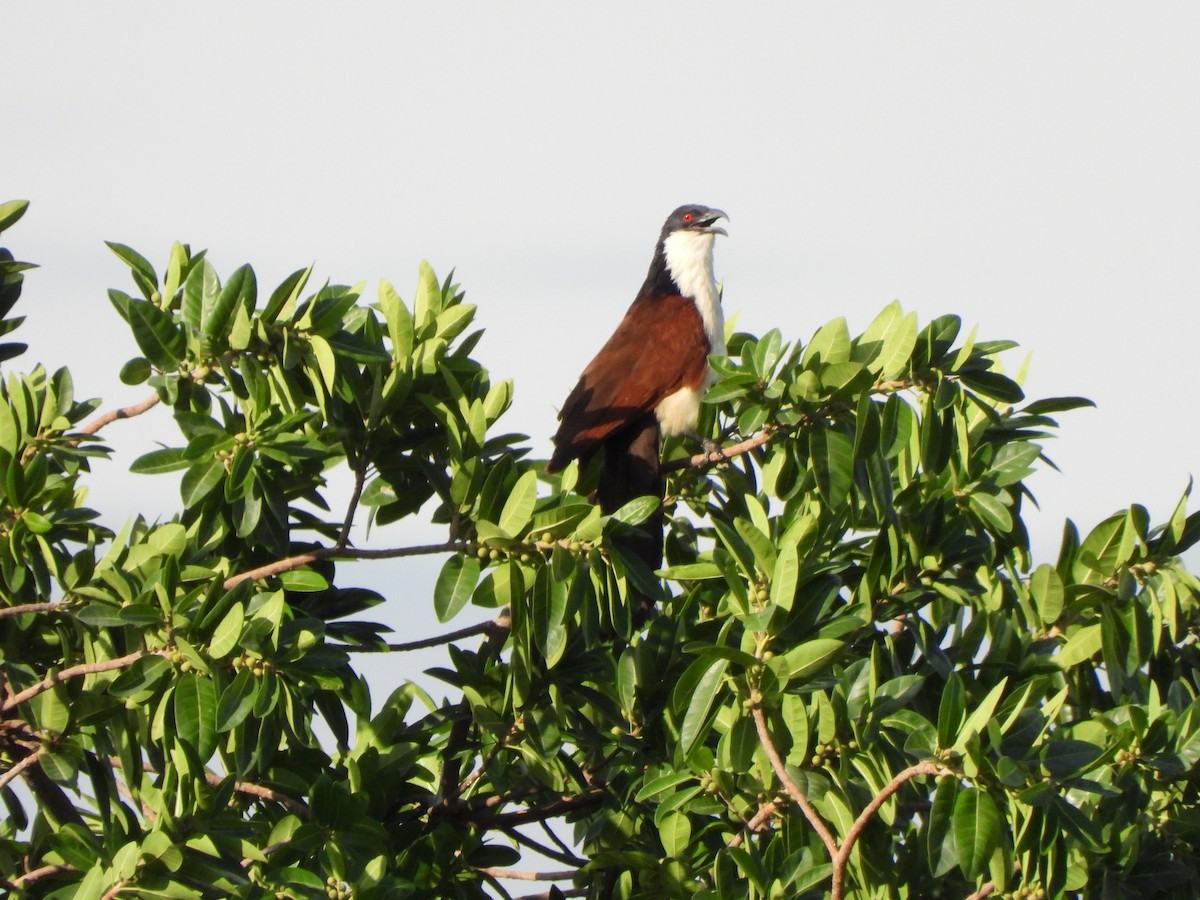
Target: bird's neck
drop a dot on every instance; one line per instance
(688, 260)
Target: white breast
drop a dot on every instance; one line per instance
(689, 257)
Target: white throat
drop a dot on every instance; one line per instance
(689, 256)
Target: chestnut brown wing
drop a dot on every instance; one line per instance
(659, 347)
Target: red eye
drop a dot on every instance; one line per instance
(687, 217)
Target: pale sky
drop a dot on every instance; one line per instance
(1034, 168)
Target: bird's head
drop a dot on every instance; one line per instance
(695, 219)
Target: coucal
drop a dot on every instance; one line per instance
(647, 380)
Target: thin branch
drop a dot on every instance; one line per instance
(793, 790)
(116, 888)
(471, 778)
(843, 854)
(755, 824)
(722, 454)
(360, 477)
(291, 804)
(303, 559)
(125, 412)
(986, 891)
(54, 678)
(19, 767)
(550, 810)
(522, 875)
(565, 857)
(53, 606)
(573, 892)
(470, 631)
(37, 874)
(449, 784)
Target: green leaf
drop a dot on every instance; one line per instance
(811, 657)
(992, 511)
(637, 510)
(976, 830)
(169, 459)
(237, 700)
(1065, 757)
(240, 288)
(831, 344)
(1046, 588)
(454, 586)
(1080, 646)
(675, 832)
(11, 211)
(693, 729)
(518, 508)
(980, 717)
(195, 708)
(225, 635)
(199, 481)
(691, 572)
(326, 361)
(156, 334)
(832, 455)
(304, 579)
(138, 263)
(994, 385)
(199, 291)
(136, 371)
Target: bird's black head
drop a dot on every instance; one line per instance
(696, 218)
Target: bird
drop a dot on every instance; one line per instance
(648, 379)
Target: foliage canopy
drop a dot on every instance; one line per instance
(858, 683)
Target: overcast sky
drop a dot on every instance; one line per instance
(1034, 168)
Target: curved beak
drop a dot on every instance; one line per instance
(706, 225)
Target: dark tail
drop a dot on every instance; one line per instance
(632, 469)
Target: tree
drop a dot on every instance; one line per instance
(858, 681)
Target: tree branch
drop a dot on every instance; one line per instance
(54, 678)
(522, 875)
(843, 854)
(303, 559)
(793, 790)
(125, 412)
(291, 804)
(566, 858)
(755, 824)
(499, 623)
(360, 477)
(986, 891)
(8, 611)
(21, 766)
(35, 875)
(724, 453)
(573, 892)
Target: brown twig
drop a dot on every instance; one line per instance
(501, 622)
(291, 804)
(21, 766)
(54, 678)
(842, 857)
(709, 458)
(360, 477)
(566, 857)
(472, 777)
(35, 875)
(522, 875)
(303, 559)
(125, 412)
(793, 790)
(53, 606)
(755, 824)
(986, 891)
